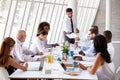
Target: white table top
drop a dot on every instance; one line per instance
(57, 73)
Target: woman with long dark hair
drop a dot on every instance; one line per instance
(6, 60)
(101, 65)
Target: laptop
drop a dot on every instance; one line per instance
(66, 69)
(35, 66)
(41, 64)
(62, 64)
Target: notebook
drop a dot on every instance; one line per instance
(35, 66)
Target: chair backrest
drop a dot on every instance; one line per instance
(117, 75)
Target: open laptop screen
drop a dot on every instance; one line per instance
(41, 64)
(35, 66)
(62, 64)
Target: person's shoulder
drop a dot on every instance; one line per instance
(10, 59)
(98, 55)
(110, 44)
(17, 42)
(66, 18)
(35, 40)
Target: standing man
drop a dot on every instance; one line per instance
(69, 25)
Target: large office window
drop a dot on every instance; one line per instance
(27, 14)
(87, 10)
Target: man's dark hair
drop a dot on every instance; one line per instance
(69, 10)
(108, 35)
(93, 30)
(95, 27)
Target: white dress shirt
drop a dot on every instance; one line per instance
(111, 50)
(67, 24)
(39, 46)
(20, 53)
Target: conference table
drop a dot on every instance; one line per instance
(56, 70)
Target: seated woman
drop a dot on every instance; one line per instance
(101, 65)
(45, 26)
(39, 43)
(6, 60)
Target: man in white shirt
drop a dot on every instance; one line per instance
(69, 25)
(108, 35)
(20, 53)
(90, 51)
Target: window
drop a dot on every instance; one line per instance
(27, 14)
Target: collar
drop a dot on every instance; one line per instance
(19, 42)
(68, 17)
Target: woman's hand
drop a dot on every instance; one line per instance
(82, 66)
(25, 67)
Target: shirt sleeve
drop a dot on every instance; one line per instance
(65, 25)
(47, 45)
(90, 52)
(18, 54)
(28, 51)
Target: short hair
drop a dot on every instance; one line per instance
(95, 27)
(20, 33)
(69, 10)
(108, 35)
(42, 25)
(43, 32)
(93, 30)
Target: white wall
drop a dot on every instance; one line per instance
(116, 58)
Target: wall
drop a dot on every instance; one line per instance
(116, 58)
(115, 25)
(115, 18)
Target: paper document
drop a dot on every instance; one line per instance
(33, 66)
(72, 35)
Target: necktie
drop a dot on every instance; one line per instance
(72, 25)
